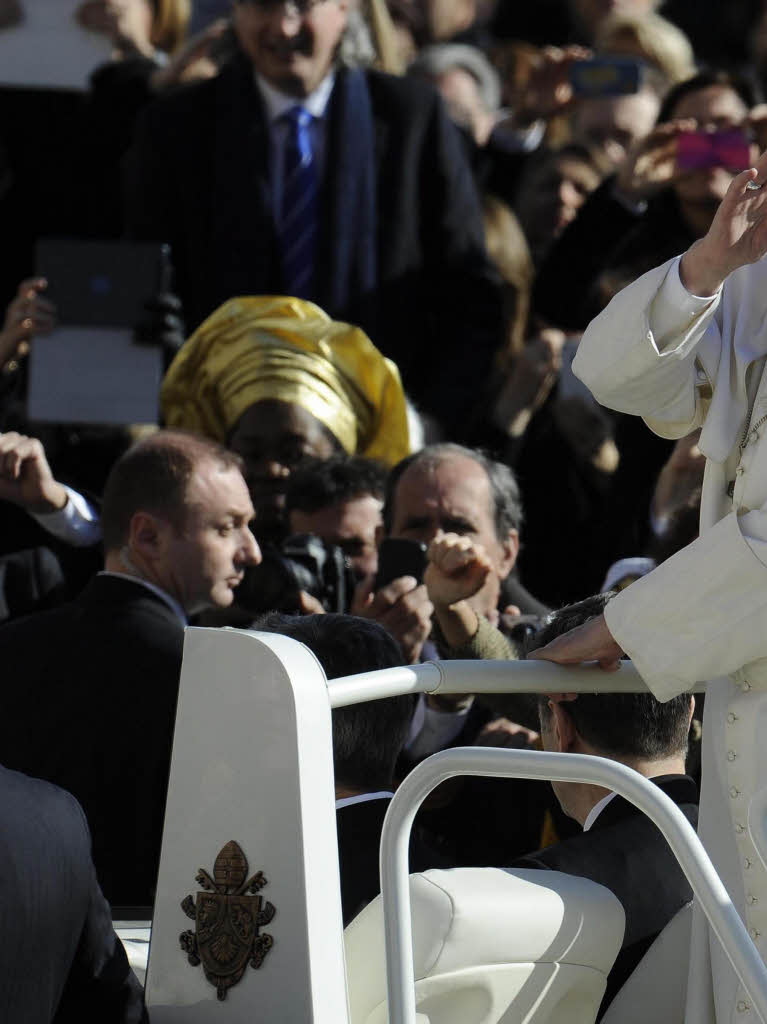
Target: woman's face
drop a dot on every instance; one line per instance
(274, 437)
(718, 108)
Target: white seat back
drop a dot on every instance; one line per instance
(657, 987)
(493, 947)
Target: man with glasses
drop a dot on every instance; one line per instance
(289, 174)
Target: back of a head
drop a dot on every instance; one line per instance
(367, 737)
(153, 477)
(320, 483)
(440, 58)
(624, 726)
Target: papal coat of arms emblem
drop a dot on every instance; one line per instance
(228, 916)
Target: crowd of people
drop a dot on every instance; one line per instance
(389, 224)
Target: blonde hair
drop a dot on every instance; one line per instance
(651, 37)
(509, 252)
(170, 19)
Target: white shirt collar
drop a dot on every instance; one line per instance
(362, 798)
(278, 103)
(596, 810)
(166, 597)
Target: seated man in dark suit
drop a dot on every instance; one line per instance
(619, 847)
(61, 962)
(89, 689)
(367, 738)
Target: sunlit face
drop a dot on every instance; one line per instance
(715, 109)
(205, 560)
(291, 44)
(610, 125)
(273, 438)
(454, 497)
(352, 525)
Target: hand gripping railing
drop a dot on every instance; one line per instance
(528, 764)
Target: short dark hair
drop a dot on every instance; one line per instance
(153, 476)
(368, 737)
(618, 725)
(319, 483)
(704, 80)
(504, 489)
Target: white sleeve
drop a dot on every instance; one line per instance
(77, 523)
(701, 614)
(433, 730)
(639, 355)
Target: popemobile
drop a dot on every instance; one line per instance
(247, 922)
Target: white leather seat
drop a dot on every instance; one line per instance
(493, 947)
(657, 987)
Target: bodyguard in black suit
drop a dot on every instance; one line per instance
(367, 738)
(89, 689)
(624, 851)
(61, 961)
(399, 247)
(619, 847)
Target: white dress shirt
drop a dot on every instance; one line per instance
(277, 104)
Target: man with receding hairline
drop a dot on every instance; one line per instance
(91, 687)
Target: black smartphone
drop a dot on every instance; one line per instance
(400, 557)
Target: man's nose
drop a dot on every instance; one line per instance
(289, 19)
(251, 552)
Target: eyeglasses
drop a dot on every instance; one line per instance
(300, 7)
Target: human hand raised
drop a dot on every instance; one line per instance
(457, 569)
(591, 641)
(543, 89)
(737, 236)
(25, 476)
(123, 22)
(651, 163)
(402, 607)
(194, 60)
(28, 313)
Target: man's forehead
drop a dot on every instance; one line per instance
(456, 482)
(216, 488)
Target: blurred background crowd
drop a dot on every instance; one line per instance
(386, 224)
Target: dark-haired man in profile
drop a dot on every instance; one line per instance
(90, 688)
(367, 739)
(619, 847)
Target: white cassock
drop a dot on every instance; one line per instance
(681, 362)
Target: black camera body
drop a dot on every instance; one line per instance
(301, 562)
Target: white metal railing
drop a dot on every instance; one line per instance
(528, 764)
(485, 677)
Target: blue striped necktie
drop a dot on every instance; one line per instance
(298, 221)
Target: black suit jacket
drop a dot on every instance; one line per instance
(625, 852)
(198, 177)
(89, 702)
(359, 838)
(61, 960)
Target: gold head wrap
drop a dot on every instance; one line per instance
(274, 347)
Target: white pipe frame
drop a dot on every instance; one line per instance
(441, 677)
(709, 891)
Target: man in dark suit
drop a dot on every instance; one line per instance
(89, 689)
(619, 847)
(367, 738)
(61, 961)
(287, 174)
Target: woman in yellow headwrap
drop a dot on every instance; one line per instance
(277, 381)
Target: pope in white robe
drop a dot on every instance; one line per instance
(684, 347)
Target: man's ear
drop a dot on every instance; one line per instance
(147, 535)
(509, 552)
(564, 729)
